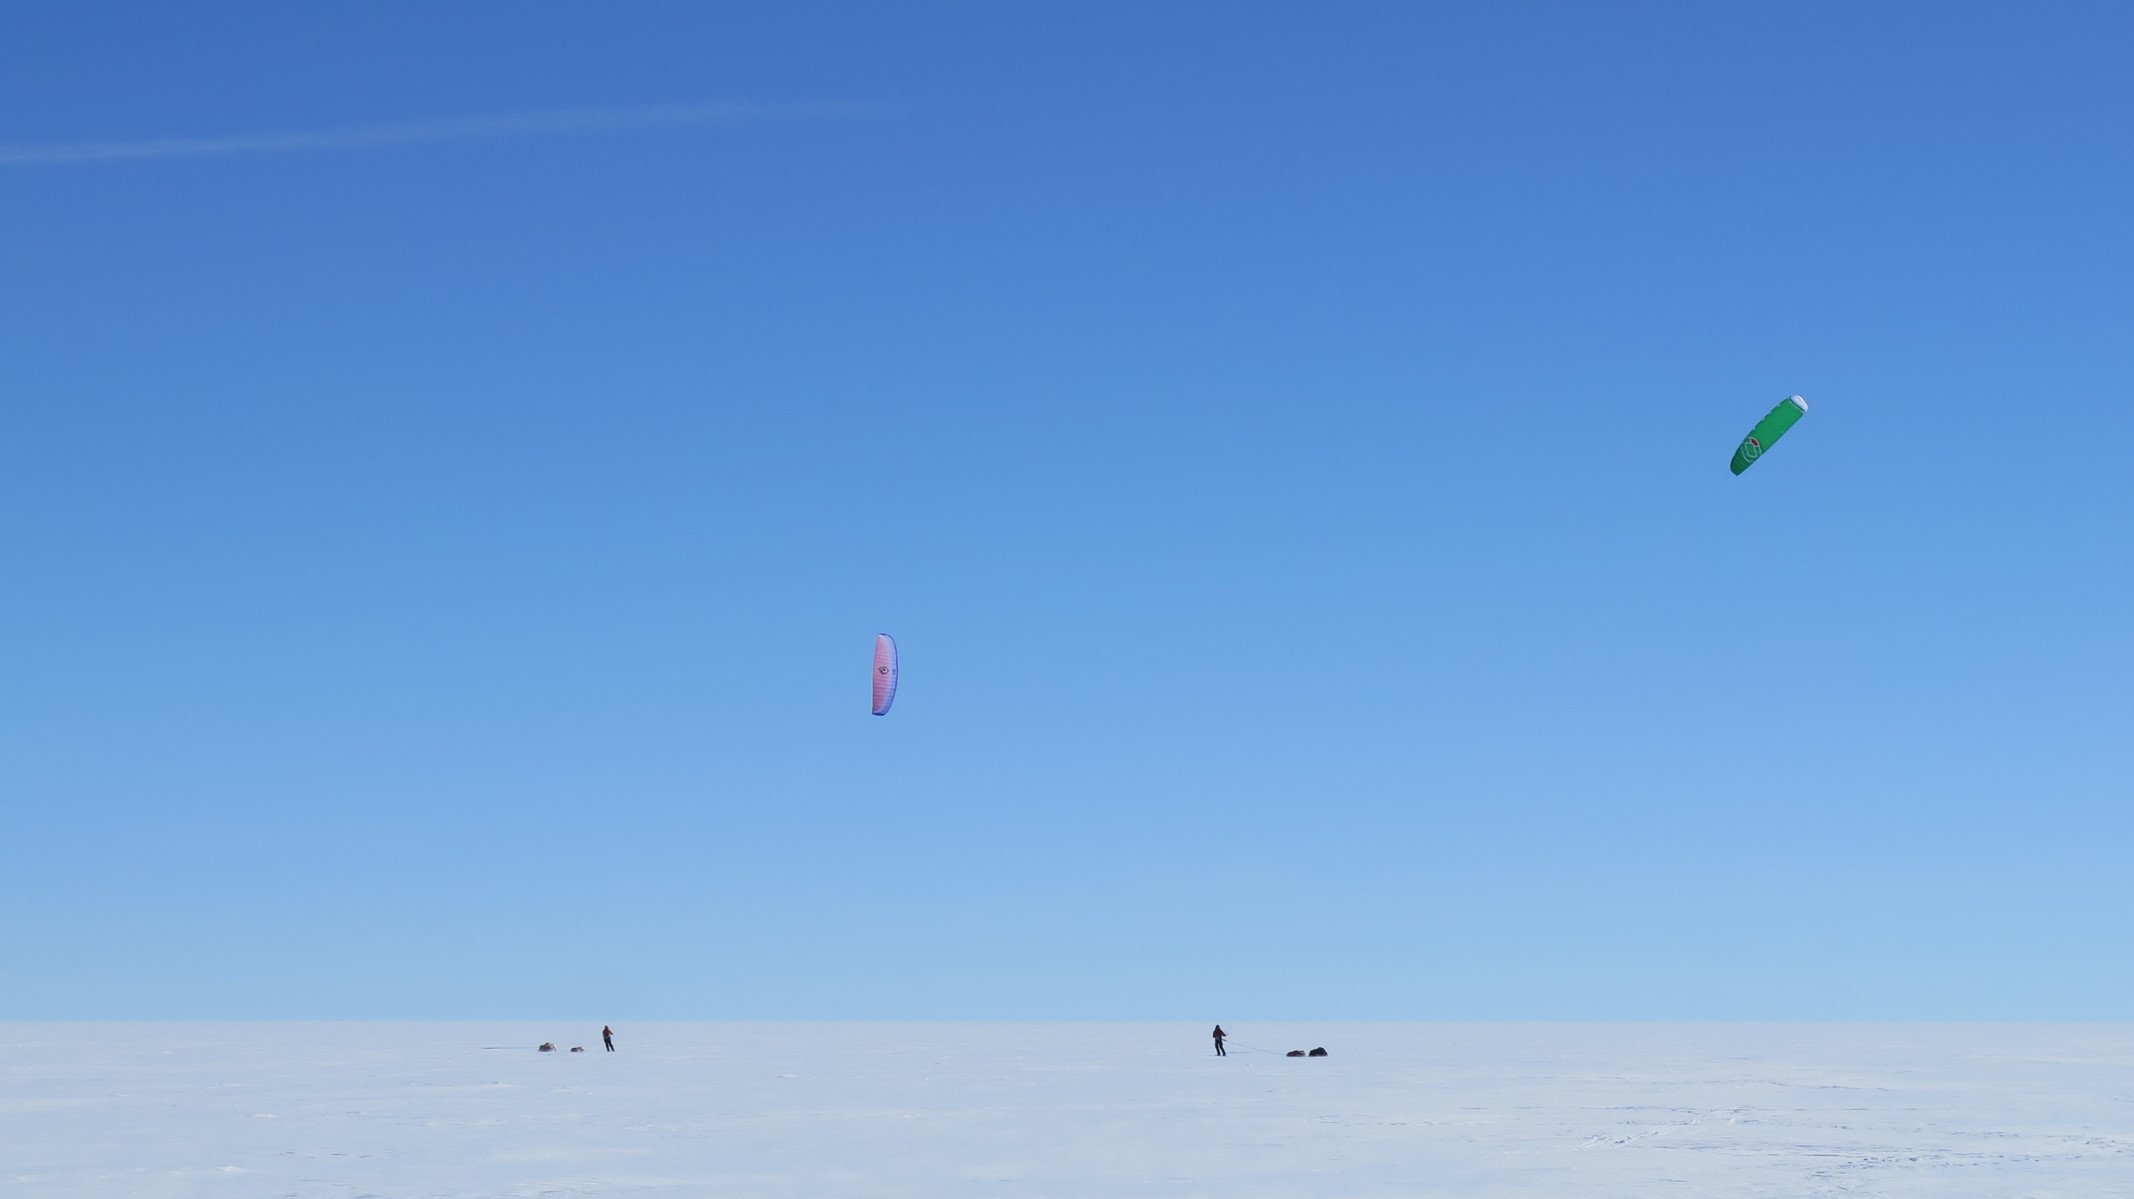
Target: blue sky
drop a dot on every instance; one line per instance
(1289, 443)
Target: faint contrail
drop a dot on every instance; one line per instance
(568, 120)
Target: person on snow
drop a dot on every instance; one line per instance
(1219, 1035)
(607, 1037)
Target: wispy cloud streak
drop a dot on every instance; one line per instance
(510, 124)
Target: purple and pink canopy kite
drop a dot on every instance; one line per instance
(885, 673)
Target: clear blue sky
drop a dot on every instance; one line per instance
(1288, 442)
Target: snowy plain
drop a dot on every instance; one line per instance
(946, 1110)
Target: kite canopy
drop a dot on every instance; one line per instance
(1767, 431)
(885, 673)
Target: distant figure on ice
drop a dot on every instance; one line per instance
(1219, 1035)
(607, 1037)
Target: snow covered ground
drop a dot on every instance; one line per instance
(401, 1111)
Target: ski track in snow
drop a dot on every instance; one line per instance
(945, 1111)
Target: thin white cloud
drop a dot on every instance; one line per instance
(509, 124)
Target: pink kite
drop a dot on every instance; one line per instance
(885, 673)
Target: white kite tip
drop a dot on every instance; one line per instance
(1798, 402)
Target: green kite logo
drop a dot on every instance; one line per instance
(1751, 449)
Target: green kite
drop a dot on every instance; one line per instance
(1768, 430)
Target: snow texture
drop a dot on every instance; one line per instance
(410, 1111)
